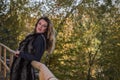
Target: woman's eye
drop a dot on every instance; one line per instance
(45, 26)
(39, 23)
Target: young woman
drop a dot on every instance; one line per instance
(31, 49)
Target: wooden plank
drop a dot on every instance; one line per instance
(11, 59)
(4, 55)
(10, 50)
(0, 57)
(5, 66)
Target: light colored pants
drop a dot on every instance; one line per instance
(44, 72)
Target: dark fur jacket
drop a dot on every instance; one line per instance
(22, 69)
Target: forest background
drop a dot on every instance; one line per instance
(87, 35)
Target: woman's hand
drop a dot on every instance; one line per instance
(17, 53)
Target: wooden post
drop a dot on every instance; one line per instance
(4, 62)
(0, 57)
(11, 59)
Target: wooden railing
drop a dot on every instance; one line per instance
(6, 62)
(5, 59)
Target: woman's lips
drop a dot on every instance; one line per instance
(39, 29)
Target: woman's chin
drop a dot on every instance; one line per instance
(38, 32)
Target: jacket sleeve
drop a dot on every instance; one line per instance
(39, 47)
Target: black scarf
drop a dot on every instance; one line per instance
(22, 69)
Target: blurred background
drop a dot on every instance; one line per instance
(87, 35)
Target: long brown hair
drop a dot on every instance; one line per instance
(49, 34)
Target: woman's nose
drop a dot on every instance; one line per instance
(40, 26)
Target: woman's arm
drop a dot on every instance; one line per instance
(39, 46)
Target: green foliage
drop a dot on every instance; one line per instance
(87, 35)
(13, 21)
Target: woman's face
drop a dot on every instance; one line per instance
(41, 26)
